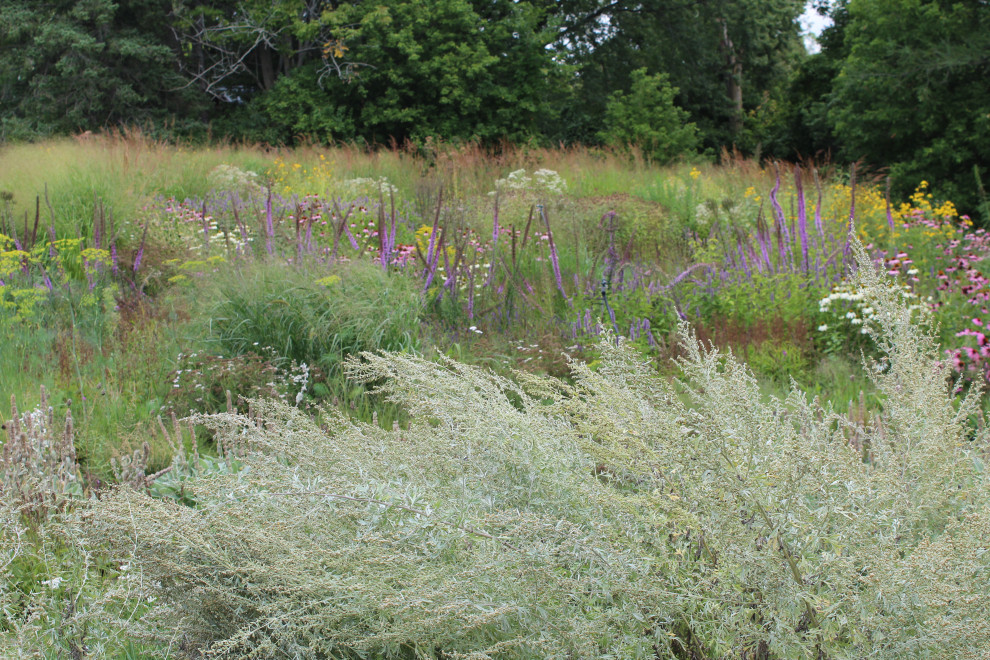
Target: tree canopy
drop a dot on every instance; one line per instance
(899, 85)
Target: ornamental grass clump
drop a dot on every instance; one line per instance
(615, 515)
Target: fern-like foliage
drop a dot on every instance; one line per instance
(616, 515)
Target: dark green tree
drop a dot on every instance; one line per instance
(396, 70)
(73, 65)
(912, 94)
(233, 50)
(726, 57)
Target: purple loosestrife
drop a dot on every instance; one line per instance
(470, 300)
(391, 236)
(847, 250)
(97, 228)
(205, 220)
(432, 251)
(645, 326)
(554, 259)
(269, 224)
(350, 236)
(432, 258)
(783, 235)
(140, 252)
(382, 232)
(802, 213)
(299, 235)
(683, 276)
(886, 197)
(744, 261)
(763, 238)
(818, 211)
(495, 233)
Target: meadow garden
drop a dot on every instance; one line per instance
(462, 403)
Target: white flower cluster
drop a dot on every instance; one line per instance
(705, 213)
(367, 187)
(228, 178)
(299, 377)
(543, 180)
(859, 310)
(732, 211)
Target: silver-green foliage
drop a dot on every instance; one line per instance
(618, 515)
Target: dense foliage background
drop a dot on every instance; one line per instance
(898, 85)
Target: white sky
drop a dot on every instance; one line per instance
(811, 26)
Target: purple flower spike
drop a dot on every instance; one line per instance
(818, 211)
(554, 259)
(802, 213)
(495, 233)
(890, 216)
(140, 252)
(847, 250)
(780, 222)
(350, 237)
(269, 224)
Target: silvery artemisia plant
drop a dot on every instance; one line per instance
(617, 515)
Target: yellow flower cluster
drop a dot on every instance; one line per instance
(11, 261)
(296, 178)
(95, 256)
(24, 302)
(329, 281)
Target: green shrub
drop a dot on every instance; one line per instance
(616, 516)
(779, 361)
(311, 316)
(647, 117)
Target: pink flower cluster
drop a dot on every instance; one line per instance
(961, 279)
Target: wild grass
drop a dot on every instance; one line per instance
(537, 518)
(121, 171)
(313, 316)
(588, 487)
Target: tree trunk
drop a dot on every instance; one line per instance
(733, 77)
(267, 70)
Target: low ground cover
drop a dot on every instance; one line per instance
(165, 283)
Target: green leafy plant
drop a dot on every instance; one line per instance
(647, 117)
(314, 317)
(613, 514)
